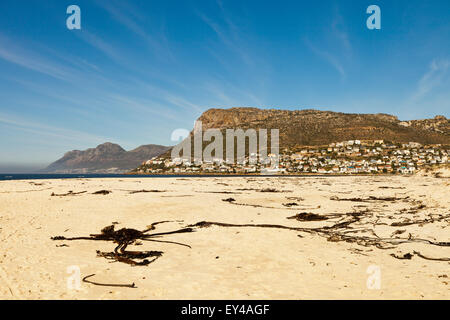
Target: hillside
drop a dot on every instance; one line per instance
(439, 124)
(313, 127)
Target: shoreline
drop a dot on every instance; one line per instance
(44, 176)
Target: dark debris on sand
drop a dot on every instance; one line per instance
(304, 216)
(125, 237)
(102, 192)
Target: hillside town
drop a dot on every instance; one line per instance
(347, 157)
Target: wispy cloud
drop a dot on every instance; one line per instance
(102, 45)
(15, 54)
(142, 106)
(219, 95)
(226, 94)
(127, 15)
(432, 79)
(236, 42)
(327, 56)
(338, 39)
(340, 34)
(168, 97)
(35, 127)
(229, 34)
(181, 102)
(58, 65)
(72, 103)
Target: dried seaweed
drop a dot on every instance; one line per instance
(369, 199)
(85, 279)
(304, 216)
(273, 190)
(269, 190)
(409, 222)
(339, 231)
(387, 187)
(207, 224)
(70, 193)
(290, 204)
(219, 192)
(146, 191)
(408, 256)
(233, 201)
(125, 237)
(296, 198)
(102, 192)
(36, 183)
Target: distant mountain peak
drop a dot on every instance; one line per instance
(109, 147)
(105, 158)
(109, 144)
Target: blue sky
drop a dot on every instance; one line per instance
(138, 70)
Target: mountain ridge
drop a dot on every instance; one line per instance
(315, 127)
(105, 158)
(311, 127)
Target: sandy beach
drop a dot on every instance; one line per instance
(367, 237)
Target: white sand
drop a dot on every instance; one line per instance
(252, 263)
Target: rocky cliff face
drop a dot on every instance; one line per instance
(439, 124)
(313, 127)
(105, 158)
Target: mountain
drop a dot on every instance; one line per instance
(314, 127)
(105, 158)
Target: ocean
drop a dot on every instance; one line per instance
(43, 176)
